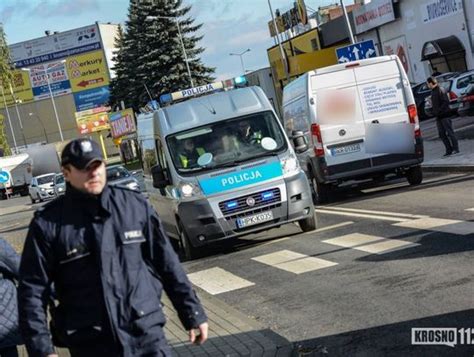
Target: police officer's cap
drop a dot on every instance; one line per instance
(80, 153)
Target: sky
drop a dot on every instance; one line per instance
(229, 26)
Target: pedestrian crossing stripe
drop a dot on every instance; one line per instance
(368, 243)
(293, 262)
(217, 281)
(450, 226)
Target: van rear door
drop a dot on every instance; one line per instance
(383, 96)
(339, 120)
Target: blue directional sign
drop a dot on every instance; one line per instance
(355, 52)
(4, 176)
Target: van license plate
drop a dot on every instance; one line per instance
(345, 149)
(255, 219)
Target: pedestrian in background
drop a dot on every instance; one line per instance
(109, 259)
(441, 110)
(9, 330)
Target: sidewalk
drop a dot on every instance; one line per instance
(232, 334)
(434, 160)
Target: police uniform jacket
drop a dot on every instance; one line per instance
(109, 259)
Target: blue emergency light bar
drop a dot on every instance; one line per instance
(267, 195)
(205, 89)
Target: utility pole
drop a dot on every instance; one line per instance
(349, 28)
(282, 51)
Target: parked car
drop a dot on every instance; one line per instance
(59, 185)
(41, 188)
(421, 91)
(466, 102)
(117, 175)
(454, 86)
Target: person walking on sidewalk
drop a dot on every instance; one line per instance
(441, 110)
(105, 250)
(9, 331)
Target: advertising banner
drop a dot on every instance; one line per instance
(55, 73)
(87, 71)
(21, 89)
(91, 121)
(55, 46)
(91, 98)
(373, 14)
(435, 10)
(122, 123)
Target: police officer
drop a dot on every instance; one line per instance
(109, 259)
(246, 134)
(190, 154)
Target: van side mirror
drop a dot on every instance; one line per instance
(159, 177)
(299, 141)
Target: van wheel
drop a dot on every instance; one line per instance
(309, 223)
(187, 248)
(414, 175)
(320, 192)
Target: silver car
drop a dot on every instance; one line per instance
(117, 175)
(59, 185)
(41, 188)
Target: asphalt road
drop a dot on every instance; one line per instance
(384, 260)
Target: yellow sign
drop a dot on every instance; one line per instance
(87, 71)
(87, 124)
(21, 89)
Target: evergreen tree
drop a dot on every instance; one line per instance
(5, 78)
(150, 52)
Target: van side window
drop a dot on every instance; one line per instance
(147, 148)
(297, 116)
(161, 154)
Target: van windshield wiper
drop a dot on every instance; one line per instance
(265, 154)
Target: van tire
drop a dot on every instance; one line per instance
(189, 252)
(320, 192)
(415, 175)
(309, 223)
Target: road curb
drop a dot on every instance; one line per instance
(448, 168)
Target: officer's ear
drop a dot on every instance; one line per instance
(66, 169)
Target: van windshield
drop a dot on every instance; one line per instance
(45, 179)
(229, 141)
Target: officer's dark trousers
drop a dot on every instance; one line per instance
(9, 352)
(446, 134)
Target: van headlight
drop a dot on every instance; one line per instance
(290, 166)
(187, 190)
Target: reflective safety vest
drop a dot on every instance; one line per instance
(184, 159)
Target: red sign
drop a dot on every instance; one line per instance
(122, 123)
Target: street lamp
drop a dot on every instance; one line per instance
(241, 60)
(41, 122)
(151, 18)
(52, 97)
(18, 113)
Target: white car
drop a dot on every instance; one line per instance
(41, 188)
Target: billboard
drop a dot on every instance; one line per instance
(90, 121)
(52, 74)
(373, 14)
(55, 46)
(21, 89)
(87, 71)
(91, 98)
(122, 123)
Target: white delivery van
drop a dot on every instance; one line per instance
(354, 121)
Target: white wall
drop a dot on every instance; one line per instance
(410, 30)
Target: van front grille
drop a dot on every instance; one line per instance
(250, 202)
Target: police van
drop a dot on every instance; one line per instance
(221, 165)
(354, 121)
